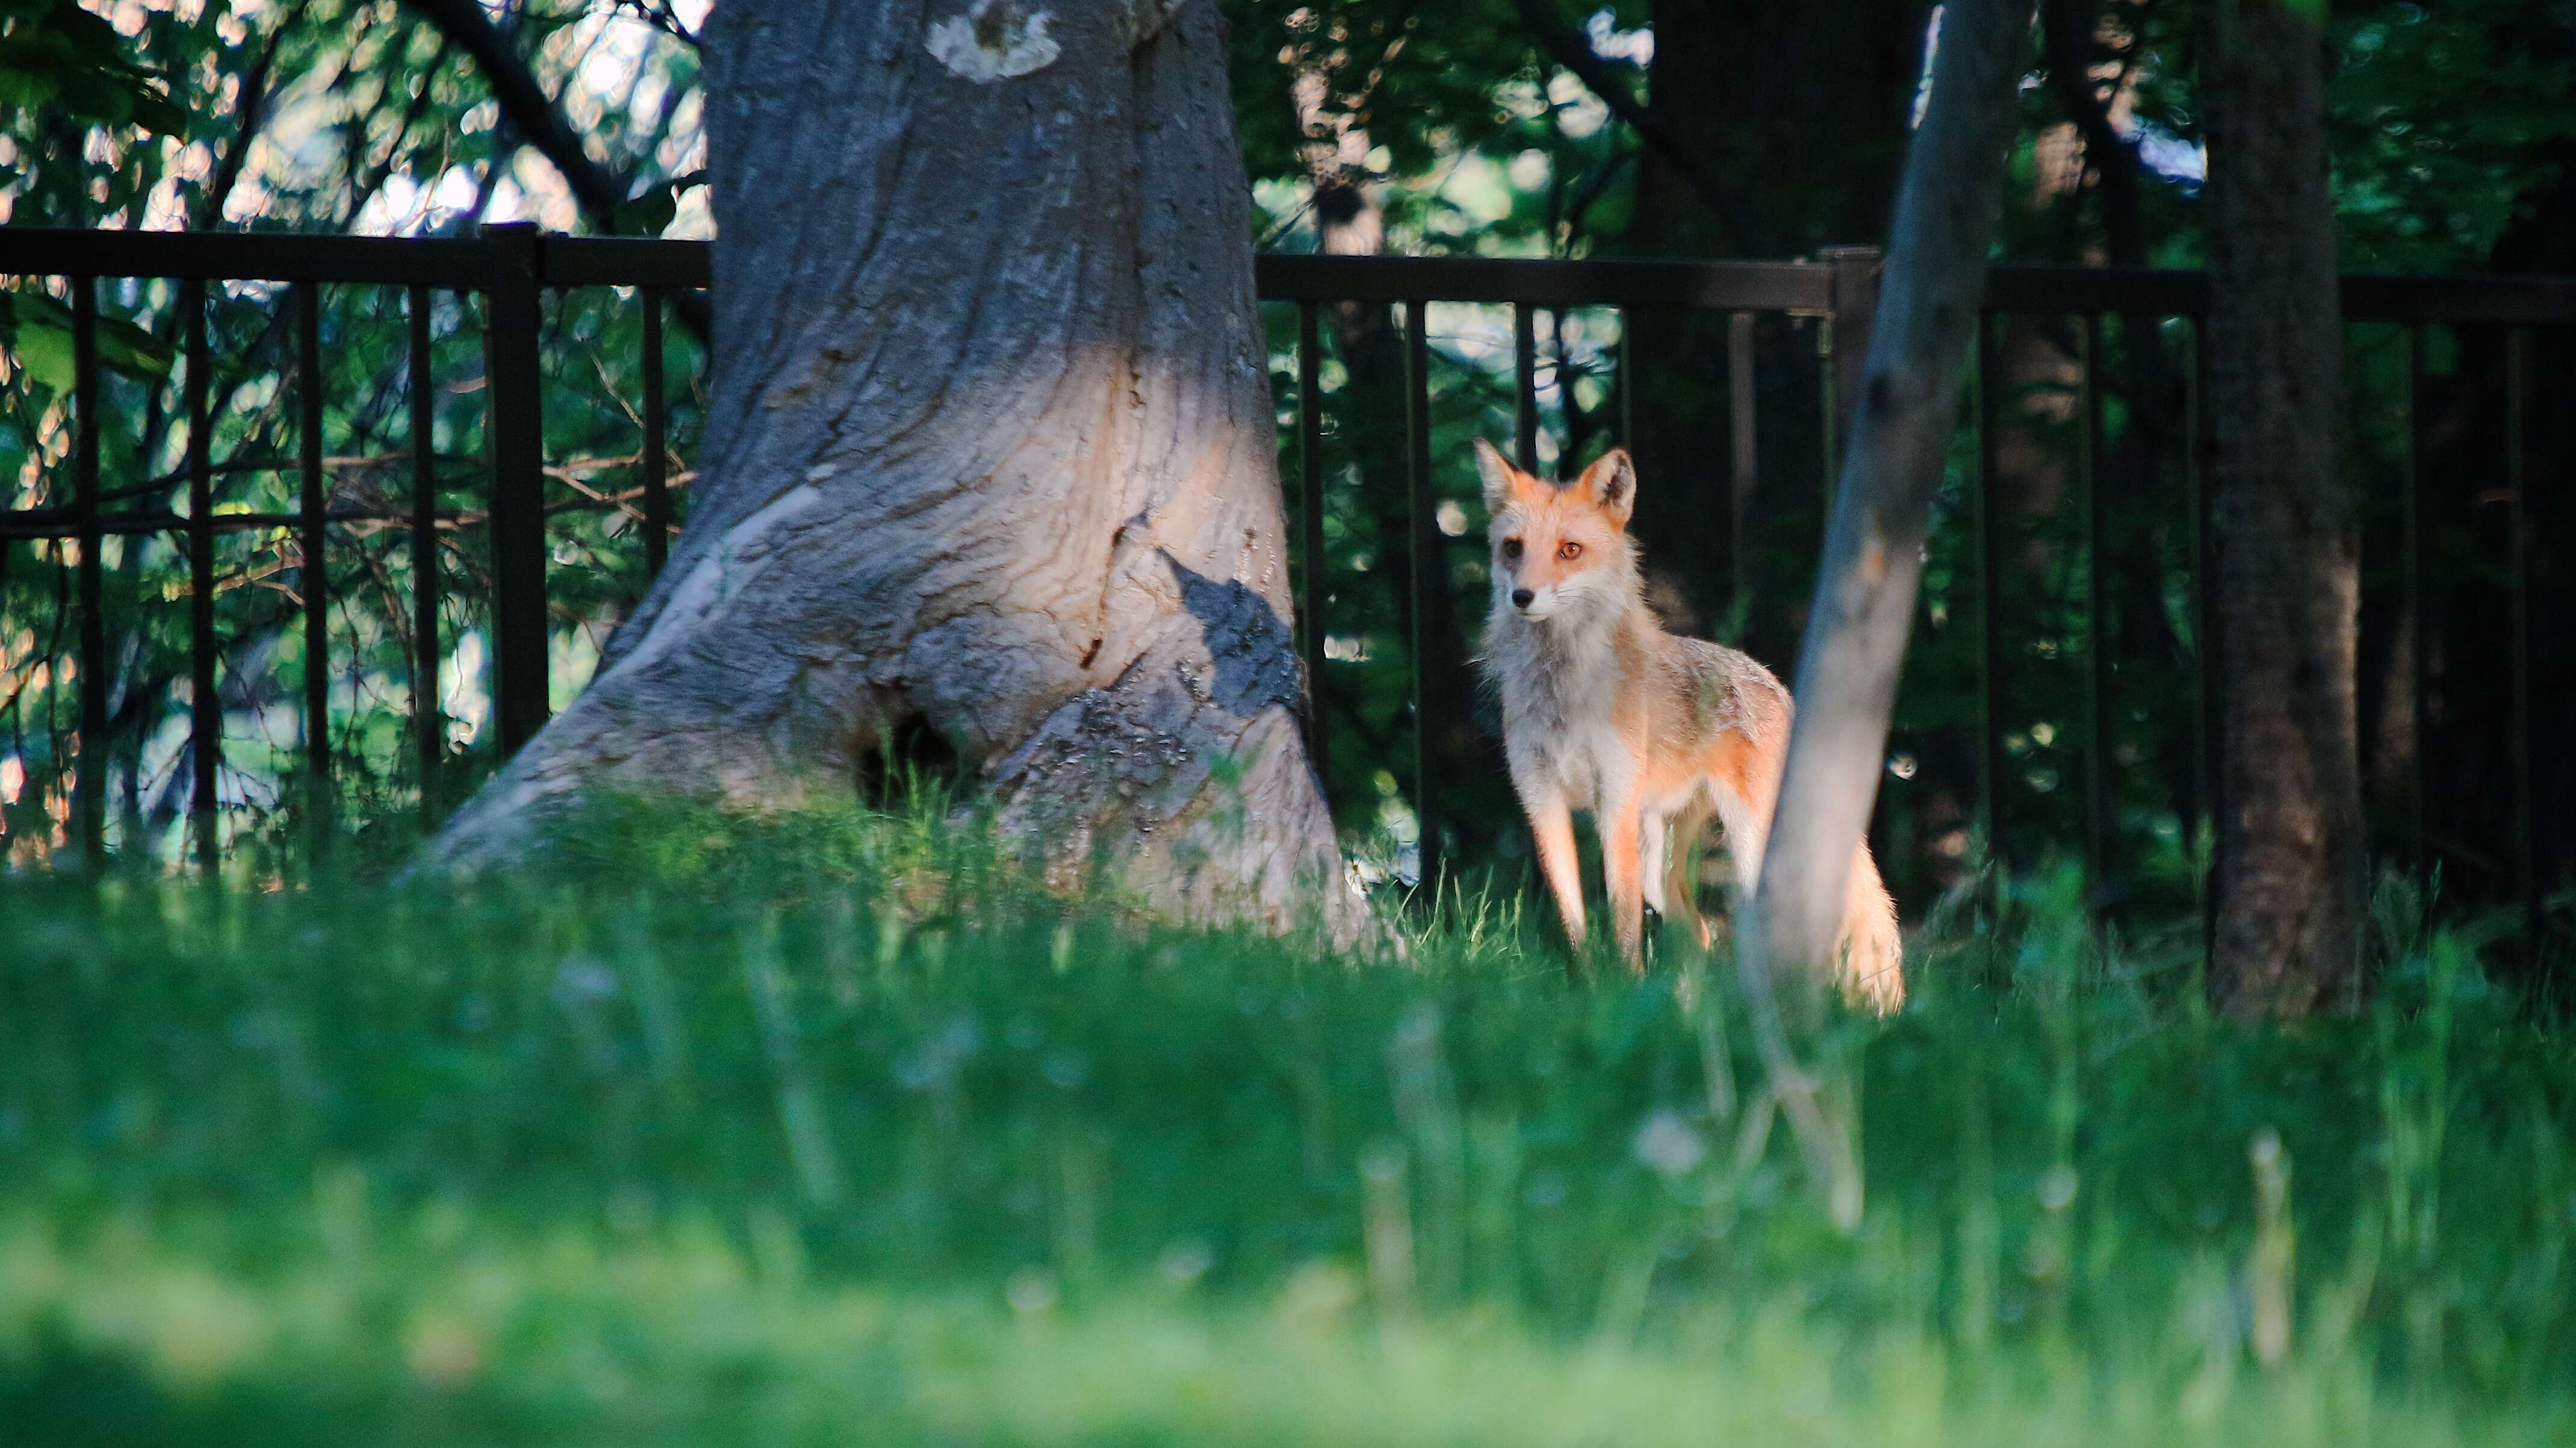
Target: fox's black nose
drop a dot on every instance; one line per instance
(1521, 597)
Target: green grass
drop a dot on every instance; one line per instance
(825, 1130)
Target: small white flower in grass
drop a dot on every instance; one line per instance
(1065, 1068)
(1186, 1260)
(1547, 1189)
(1666, 1143)
(583, 978)
(1031, 1290)
(2057, 1188)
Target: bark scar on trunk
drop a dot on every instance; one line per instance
(996, 40)
(1254, 653)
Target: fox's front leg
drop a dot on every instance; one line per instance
(1623, 862)
(1552, 824)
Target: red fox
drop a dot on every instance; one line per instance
(1650, 731)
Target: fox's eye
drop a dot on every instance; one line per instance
(1569, 550)
(1511, 548)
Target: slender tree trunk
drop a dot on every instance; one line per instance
(1799, 113)
(2290, 881)
(990, 450)
(1873, 555)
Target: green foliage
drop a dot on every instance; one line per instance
(2442, 124)
(702, 1129)
(36, 331)
(53, 52)
(1425, 109)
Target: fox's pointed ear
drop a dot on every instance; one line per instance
(1611, 484)
(1499, 479)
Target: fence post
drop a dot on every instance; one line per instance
(90, 797)
(1430, 711)
(429, 730)
(311, 534)
(1856, 270)
(516, 431)
(205, 706)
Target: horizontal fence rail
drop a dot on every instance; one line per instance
(460, 264)
(510, 271)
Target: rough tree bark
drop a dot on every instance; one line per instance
(990, 450)
(2290, 876)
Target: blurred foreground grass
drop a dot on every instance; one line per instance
(821, 1130)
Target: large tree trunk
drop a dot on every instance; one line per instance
(2290, 876)
(990, 450)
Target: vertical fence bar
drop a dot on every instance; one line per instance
(517, 429)
(2525, 747)
(89, 800)
(1310, 520)
(1856, 273)
(313, 578)
(1989, 642)
(1744, 457)
(2097, 633)
(1525, 387)
(2417, 622)
(428, 728)
(657, 442)
(1425, 541)
(205, 711)
(1627, 382)
(2204, 620)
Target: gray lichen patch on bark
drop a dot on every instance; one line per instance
(990, 448)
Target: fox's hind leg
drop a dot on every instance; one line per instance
(1672, 877)
(1657, 831)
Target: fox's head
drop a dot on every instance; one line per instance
(1561, 551)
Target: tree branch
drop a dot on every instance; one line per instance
(533, 114)
(254, 112)
(1576, 54)
(660, 15)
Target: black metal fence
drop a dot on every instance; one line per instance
(509, 270)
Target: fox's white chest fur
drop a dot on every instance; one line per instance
(1559, 682)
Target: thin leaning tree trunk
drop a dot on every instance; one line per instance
(2290, 877)
(990, 450)
(1873, 557)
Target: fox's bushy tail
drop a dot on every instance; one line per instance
(1871, 969)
